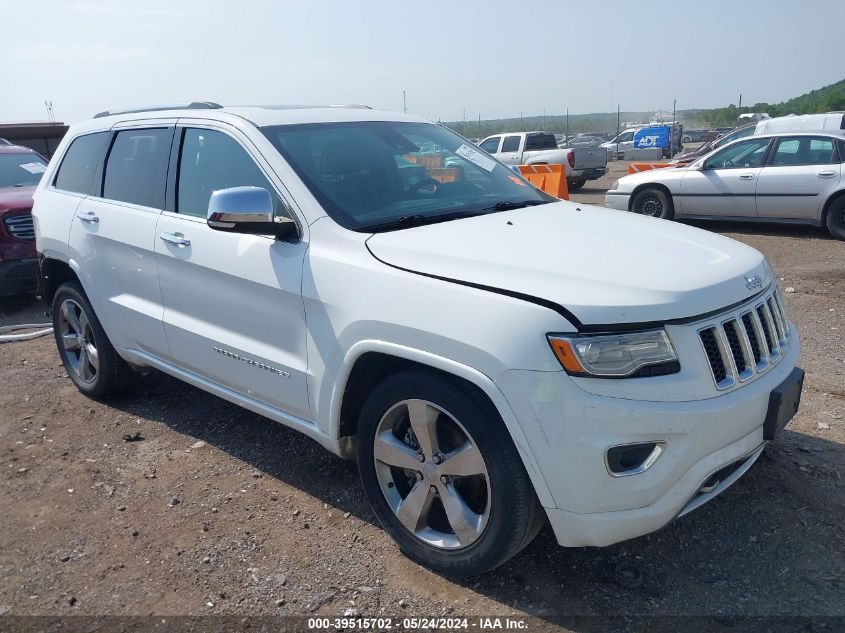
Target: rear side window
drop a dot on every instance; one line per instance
(540, 141)
(80, 163)
(210, 161)
(137, 167)
(804, 150)
(510, 144)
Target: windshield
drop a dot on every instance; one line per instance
(383, 175)
(21, 170)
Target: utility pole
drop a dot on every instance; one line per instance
(544, 119)
(404, 103)
(739, 108)
(521, 124)
(479, 127)
(567, 126)
(672, 134)
(617, 130)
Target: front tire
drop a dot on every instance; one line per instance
(89, 358)
(836, 218)
(443, 476)
(653, 202)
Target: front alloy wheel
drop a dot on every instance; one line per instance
(442, 473)
(432, 474)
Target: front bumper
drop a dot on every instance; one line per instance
(18, 277)
(569, 430)
(614, 200)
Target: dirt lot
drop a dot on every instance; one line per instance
(219, 511)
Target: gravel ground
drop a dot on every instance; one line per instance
(218, 511)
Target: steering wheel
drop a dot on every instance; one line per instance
(425, 182)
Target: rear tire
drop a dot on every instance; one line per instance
(89, 358)
(836, 218)
(575, 185)
(654, 203)
(488, 495)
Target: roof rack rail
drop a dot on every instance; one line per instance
(194, 105)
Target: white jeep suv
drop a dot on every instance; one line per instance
(493, 357)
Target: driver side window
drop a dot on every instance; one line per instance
(212, 160)
(744, 155)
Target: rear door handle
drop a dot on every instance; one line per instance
(175, 238)
(746, 176)
(88, 216)
(827, 173)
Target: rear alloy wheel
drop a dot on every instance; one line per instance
(86, 352)
(836, 219)
(78, 341)
(443, 476)
(653, 203)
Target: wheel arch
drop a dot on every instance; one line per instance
(369, 362)
(831, 199)
(52, 273)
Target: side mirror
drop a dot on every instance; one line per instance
(248, 210)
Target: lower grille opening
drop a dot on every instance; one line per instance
(719, 476)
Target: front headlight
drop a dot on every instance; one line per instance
(624, 355)
(614, 186)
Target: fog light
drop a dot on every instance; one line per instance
(632, 459)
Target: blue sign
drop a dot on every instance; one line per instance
(657, 136)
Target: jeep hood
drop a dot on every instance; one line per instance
(16, 198)
(602, 266)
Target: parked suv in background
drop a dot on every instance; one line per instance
(20, 170)
(493, 357)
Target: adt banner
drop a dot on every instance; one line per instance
(652, 137)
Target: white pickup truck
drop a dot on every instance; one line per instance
(540, 148)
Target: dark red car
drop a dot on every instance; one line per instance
(20, 170)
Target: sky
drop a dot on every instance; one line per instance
(453, 58)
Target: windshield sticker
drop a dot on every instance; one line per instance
(34, 168)
(518, 181)
(476, 157)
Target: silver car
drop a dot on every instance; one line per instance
(794, 177)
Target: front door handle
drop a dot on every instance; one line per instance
(88, 216)
(827, 173)
(175, 238)
(746, 176)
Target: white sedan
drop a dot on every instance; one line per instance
(795, 178)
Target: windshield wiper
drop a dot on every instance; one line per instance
(507, 205)
(407, 221)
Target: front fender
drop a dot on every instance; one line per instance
(331, 399)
